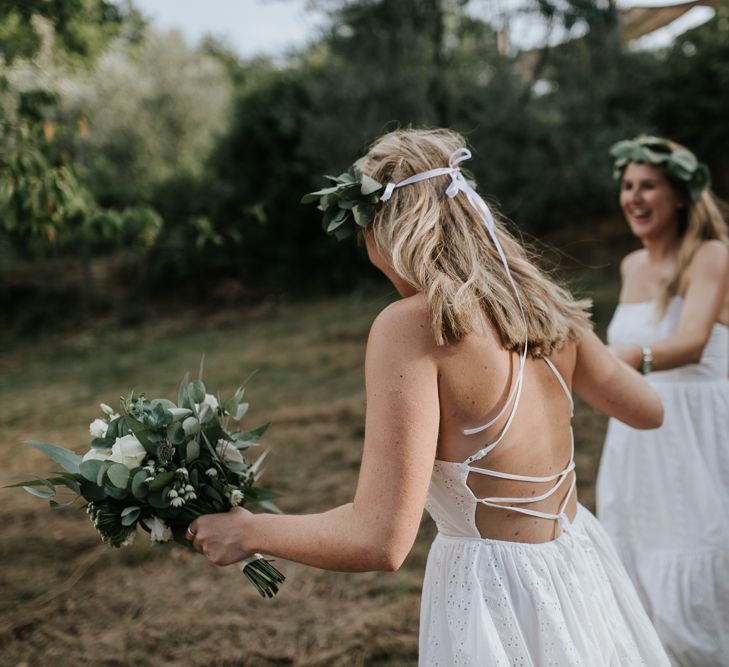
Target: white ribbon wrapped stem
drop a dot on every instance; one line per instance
(247, 561)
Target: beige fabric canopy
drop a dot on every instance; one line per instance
(639, 21)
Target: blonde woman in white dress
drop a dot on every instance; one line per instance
(468, 379)
(663, 495)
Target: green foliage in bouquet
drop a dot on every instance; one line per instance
(159, 465)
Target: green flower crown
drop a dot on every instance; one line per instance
(348, 203)
(653, 150)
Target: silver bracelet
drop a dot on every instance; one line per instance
(646, 363)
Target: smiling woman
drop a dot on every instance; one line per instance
(663, 495)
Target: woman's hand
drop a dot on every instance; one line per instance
(220, 537)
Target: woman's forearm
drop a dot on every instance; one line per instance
(671, 352)
(340, 539)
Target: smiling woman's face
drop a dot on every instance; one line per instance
(651, 205)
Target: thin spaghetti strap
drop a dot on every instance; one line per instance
(561, 381)
(512, 395)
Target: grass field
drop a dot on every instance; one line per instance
(68, 600)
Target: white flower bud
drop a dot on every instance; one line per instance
(211, 472)
(236, 497)
(98, 428)
(172, 494)
(177, 502)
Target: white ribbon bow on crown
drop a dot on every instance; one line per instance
(460, 184)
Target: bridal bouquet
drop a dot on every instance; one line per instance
(159, 465)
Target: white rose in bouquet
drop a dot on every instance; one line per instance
(98, 428)
(129, 451)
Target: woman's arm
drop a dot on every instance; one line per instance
(708, 276)
(612, 387)
(377, 530)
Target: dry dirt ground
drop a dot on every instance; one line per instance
(66, 600)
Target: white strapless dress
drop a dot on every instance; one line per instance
(493, 603)
(663, 495)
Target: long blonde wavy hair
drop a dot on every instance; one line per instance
(440, 246)
(699, 221)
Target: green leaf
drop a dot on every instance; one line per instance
(196, 390)
(156, 500)
(63, 457)
(313, 196)
(161, 481)
(369, 185)
(182, 391)
(105, 465)
(90, 469)
(140, 488)
(245, 439)
(193, 451)
(67, 479)
(129, 515)
(175, 433)
(115, 493)
(102, 443)
(112, 432)
(40, 493)
(269, 506)
(161, 417)
(256, 466)
(90, 491)
(118, 475)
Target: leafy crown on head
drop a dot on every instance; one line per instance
(680, 162)
(348, 203)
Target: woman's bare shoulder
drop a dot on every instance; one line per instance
(404, 322)
(711, 255)
(631, 261)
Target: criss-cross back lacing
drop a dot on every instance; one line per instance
(559, 477)
(460, 184)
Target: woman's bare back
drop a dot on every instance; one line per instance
(476, 377)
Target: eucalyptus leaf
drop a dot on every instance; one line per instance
(140, 488)
(118, 475)
(105, 465)
(115, 492)
(63, 457)
(40, 493)
(90, 469)
(112, 431)
(176, 433)
(130, 517)
(182, 397)
(90, 491)
(193, 451)
(156, 500)
(196, 390)
(161, 480)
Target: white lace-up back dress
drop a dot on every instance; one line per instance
(495, 603)
(663, 495)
